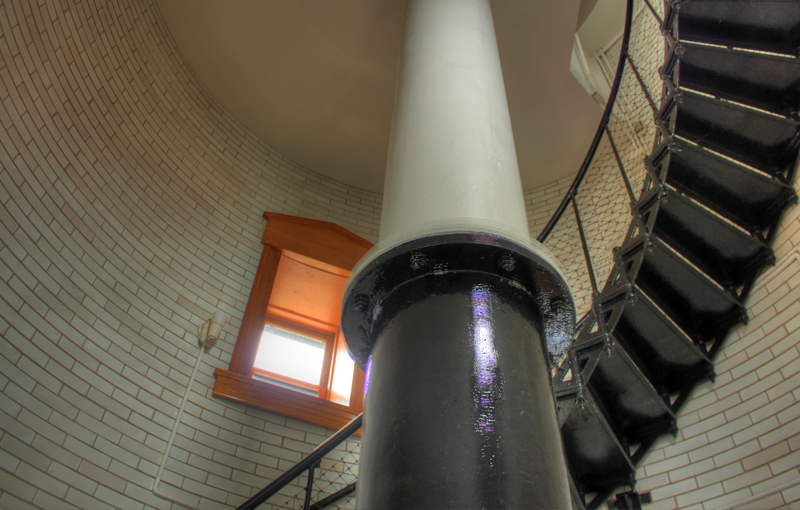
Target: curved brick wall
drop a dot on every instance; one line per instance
(130, 209)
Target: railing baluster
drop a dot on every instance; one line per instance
(642, 84)
(586, 253)
(309, 486)
(313, 459)
(621, 167)
(622, 103)
(660, 21)
(333, 498)
(612, 98)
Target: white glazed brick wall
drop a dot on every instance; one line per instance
(541, 203)
(130, 210)
(739, 437)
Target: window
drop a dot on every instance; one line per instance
(290, 360)
(290, 357)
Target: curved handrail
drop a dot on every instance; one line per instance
(612, 99)
(308, 463)
(333, 498)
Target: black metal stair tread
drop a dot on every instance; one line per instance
(723, 252)
(754, 138)
(630, 399)
(699, 307)
(762, 81)
(670, 358)
(595, 455)
(678, 306)
(745, 197)
(759, 25)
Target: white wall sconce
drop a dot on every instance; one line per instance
(212, 329)
(207, 335)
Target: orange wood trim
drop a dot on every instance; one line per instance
(317, 224)
(319, 244)
(282, 401)
(276, 313)
(357, 390)
(318, 240)
(244, 353)
(325, 376)
(316, 264)
(288, 380)
(290, 322)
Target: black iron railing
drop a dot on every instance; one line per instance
(602, 128)
(309, 465)
(612, 155)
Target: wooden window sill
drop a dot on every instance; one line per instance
(282, 401)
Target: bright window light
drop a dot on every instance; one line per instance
(342, 378)
(290, 355)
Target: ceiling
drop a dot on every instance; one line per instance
(604, 25)
(315, 79)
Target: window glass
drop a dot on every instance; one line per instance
(290, 355)
(342, 378)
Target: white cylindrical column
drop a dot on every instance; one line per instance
(452, 161)
(454, 312)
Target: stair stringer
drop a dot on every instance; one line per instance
(595, 338)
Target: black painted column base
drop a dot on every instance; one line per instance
(459, 412)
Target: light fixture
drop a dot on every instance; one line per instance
(212, 329)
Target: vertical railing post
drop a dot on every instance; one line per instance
(586, 254)
(622, 171)
(612, 99)
(575, 364)
(309, 486)
(313, 459)
(642, 84)
(655, 14)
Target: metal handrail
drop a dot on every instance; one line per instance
(612, 99)
(333, 498)
(309, 463)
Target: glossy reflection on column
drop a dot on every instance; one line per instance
(487, 392)
(459, 412)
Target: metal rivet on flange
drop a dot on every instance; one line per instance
(418, 260)
(361, 302)
(507, 263)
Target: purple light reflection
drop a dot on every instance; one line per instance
(485, 239)
(367, 375)
(488, 388)
(483, 336)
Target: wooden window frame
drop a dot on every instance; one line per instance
(320, 244)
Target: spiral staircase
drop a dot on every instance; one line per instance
(718, 178)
